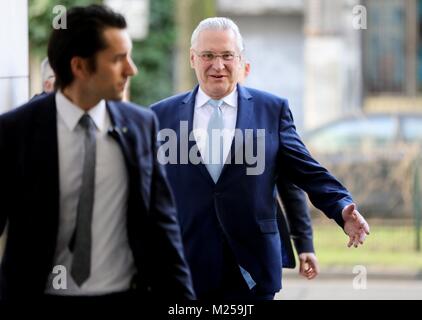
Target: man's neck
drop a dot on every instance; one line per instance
(80, 98)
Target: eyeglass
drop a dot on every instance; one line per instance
(208, 56)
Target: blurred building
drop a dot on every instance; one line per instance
(274, 44)
(332, 58)
(13, 54)
(333, 63)
(392, 55)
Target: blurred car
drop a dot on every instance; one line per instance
(374, 156)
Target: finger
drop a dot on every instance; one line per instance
(363, 224)
(350, 242)
(315, 267)
(356, 240)
(312, 265)
(305, 274)
(303, 267)
(366, 227)
(362, 237)
(312, 275)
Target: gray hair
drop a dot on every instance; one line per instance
(218, 23)
(46, 70)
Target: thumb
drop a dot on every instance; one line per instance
(303, 264)
(348, 211)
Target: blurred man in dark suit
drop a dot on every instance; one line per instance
(90, 214)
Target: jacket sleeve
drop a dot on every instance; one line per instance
(297, 211)
(325, 192)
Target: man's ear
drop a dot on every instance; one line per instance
(247, 68)
(192, 57)
(48, 86)
(79, 67)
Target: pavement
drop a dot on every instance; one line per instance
(343, 284)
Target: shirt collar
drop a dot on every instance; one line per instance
(202, 98)
(71, 113)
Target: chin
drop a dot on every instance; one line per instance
(221, 93)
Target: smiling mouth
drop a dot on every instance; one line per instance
(217, 76)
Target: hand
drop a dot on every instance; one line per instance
(309, 267)
(355, 225)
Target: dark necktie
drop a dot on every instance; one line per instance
(82, 238)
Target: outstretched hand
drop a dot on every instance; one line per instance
(355, 225)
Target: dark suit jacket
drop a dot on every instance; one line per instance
(294, 222)
(29, 200)
(243, 207)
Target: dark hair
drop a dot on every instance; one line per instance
(82, 37)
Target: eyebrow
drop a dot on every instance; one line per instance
(121, 55)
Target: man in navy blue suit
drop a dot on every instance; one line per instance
(298, 224)
(90, 214)
(226, 148)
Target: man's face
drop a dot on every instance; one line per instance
(217, 77)
(114, 66)
(48, 85)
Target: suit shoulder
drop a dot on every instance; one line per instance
(26, 111)
(170, 101)
(267, 96)
(133, 109)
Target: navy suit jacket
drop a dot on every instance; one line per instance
(294, 222)
(29, 201)
(243, 207)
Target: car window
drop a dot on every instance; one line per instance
(412, 129)
(352, 134)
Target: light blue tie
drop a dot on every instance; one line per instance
(215, 144)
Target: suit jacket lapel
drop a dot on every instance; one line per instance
(186, 112)
(121, 131)
(245, 111)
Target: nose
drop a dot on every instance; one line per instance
(218, 63)
(131, 68)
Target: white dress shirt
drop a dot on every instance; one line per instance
(112, 266)
(202, 115)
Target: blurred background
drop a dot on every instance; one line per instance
(351, 70)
